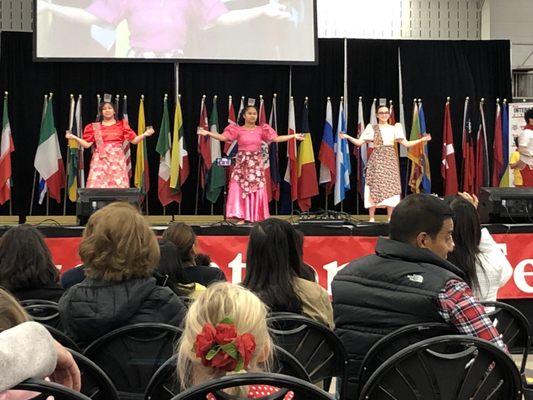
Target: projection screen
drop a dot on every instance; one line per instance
(262, 31)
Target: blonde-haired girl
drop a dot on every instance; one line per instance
(225, 332)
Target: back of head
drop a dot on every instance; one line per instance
(184, 238)
(418, 213)
(268, 269)
(467, 236)
(25, 260)
(118, 244)
(11, 312)
(169, 263)
(236, 309)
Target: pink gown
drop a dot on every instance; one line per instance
(247, 194)
(108, 162)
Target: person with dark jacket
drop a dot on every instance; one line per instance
(26, 266)
(120, 254)
(408, 281)
(184, 238)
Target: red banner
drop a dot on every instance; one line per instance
(327, 255)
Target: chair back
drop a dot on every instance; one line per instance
(31, 302)
(62, 338)
(513, 326)
(132, 354)
(454, 367)
(165, 384)
(314, 345)
(45, 389)
(44, 312)
(300, 388)
(95, 384)
(398, 340)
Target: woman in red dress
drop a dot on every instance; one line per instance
(108, 164)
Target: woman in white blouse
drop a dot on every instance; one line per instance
(382, 183)
(476, 253)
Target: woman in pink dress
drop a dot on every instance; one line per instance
(108, 164)
(247, 195)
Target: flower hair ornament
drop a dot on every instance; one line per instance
(221, 347)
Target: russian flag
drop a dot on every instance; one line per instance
(326, 155)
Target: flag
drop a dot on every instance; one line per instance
(48, 161)
(73, 155)
(126, 145)
(179, 159)
(273, 153)
(204, 144)
(468, 162)
(216, 176)
(307, 180)
(342, 159)
(6, 148)
(424, 162)
(504, 182)
(448, 170)
(230, 148)
(482, 176)
(362, 152)
(326, 154)
(291, 172)
(415, 153)
(498, 149)
(163, 147)
(142, 177)
(264, 149)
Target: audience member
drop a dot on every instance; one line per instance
(169, 272)
(306, 271)
(184, 239)
(27, 350)
(120, 253)
(485, 266)
(408, 281)
(270, 275)
(231, 316)
(26, 266)
(72, 276)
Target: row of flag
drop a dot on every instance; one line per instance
(300, 173)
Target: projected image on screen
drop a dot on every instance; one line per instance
(247, 30)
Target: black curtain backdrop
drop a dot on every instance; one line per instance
(434, 70)
(431, 70)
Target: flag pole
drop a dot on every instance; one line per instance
(338, 146)
(33, 190)
(70, 117)
(198, 173)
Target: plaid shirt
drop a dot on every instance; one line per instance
(459, 307)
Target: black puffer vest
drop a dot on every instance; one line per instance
(377, 294)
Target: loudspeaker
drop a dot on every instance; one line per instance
(505, 205)
(91, 200)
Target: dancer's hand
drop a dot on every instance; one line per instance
(202, 132)
(149, 131)
(276, 10)
(299, 136)
(426, 137)
(69, 135)
(471, 198)
(343, 135)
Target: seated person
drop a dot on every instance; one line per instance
(408, 281)
(120, 253)
(26, 266)
(184, 238)
(169, 272)
(277, 280)
(27, 350)
(225, 314)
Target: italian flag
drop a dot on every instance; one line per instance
(48, 161)
(164, 190)
(6, 148)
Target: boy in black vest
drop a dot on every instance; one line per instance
(407, 281)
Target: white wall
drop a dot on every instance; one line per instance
(512, 20)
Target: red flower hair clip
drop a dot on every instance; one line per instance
(223, 348)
